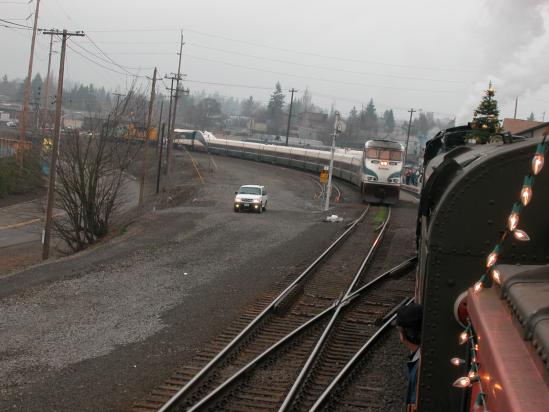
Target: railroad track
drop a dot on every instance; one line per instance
(285, 335)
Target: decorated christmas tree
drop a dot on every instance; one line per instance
(485, 122)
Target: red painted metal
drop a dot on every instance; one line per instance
(511, 379)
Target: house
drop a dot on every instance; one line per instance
(515, 126)
(535, 131)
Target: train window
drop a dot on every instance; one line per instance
(384, 154)
(372, 153)
(396, 155)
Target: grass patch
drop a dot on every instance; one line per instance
(381, 215)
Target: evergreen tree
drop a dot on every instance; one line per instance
(370, 118)
(353, 126)
(275, 110)
(248, 107)
(531, 117)
(389, 121)
(485, 120)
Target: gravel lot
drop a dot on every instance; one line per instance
(98, 330)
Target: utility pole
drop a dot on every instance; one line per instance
(46, 111)
(26, 98)
(158, 145)
(55, 147)
(516, 104)
(543, 117)
(146, 142)
(118, 96)
(176, 97)
(168, 148)
(160, 159)
(290, 114)
(337, 129)
(411, 111)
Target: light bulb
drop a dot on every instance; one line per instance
(537, 163)
(526, 195)
(496, 275)
(457, 361)
(521, 235)
(478, 287)
(513, 221)
(463, 337)
(462, 382)
(491, 260)
(472, 375)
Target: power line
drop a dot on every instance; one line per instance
(330, 69)
(16, 24)
(302, 52)
(102, 66)
(318, 78)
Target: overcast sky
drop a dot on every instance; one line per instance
(434, 55)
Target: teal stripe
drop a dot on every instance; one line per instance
(370, 172)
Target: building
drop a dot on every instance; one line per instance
(515, 126)
(535, 131)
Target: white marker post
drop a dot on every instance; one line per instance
(338, 127)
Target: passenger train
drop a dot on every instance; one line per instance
(381, 171)
(484, 287)
(376, 170)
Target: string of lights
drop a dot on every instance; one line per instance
(473, 377)
(492, 274)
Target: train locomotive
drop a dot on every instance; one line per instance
(375, 170)
(381, 171)
(485, 344)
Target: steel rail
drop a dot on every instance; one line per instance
(275, 346)
(288, 401)
(270, 308)
(358, 355)
(249, 367)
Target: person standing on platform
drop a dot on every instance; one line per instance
(408, 322)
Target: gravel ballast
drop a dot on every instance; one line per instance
(98, 330)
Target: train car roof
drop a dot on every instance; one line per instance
(382, 143)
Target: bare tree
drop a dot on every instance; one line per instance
(91, 173)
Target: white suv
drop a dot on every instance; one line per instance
(251, 197)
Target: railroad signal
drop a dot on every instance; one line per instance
(324, 176)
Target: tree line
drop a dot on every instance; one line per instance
(201, 110)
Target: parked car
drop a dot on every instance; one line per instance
(11, 124)
(251, 197)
